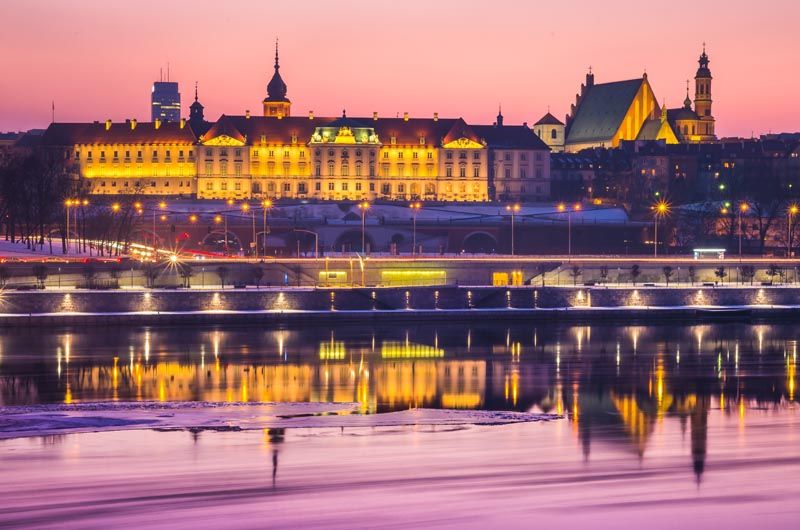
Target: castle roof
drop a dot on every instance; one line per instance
(63, 134)
(510, 137)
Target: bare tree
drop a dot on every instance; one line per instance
(667, 272)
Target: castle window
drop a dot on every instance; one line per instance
(449, 171)
(223, 168)
(522, 173)
(462, 172)
(554, 134)
(318, 186)
(330, 169)
(358, 170)
(386, 189)
(287, 187)
(286, 153)
(209, 168)
(223, 186)
(358, 152)
(508, 173)
(318, 170)
(476, 155)
(344, 186)
(401, 188)
(345, 170)
(538, 157)
(400, 154)
(430, 155)
(237, 168)
(523, 157)
(449, 155)
(462, 155)
(301, 188)
(208, 152)
(358, 186)
(476, 171)
(330, 152)
(386, 154)
(237, 186)
(330, 186)
(415, 155)
(421, 140)
(255, 153)
(507, 157)
(302, 154)
(271, 154)
(222, 152)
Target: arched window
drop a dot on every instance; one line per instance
(685, 129)
(553, 134)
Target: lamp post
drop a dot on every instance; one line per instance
(415, 208)
(743, 207)
(364, 206)
(225, 215)
(246, 208)
(660, 209)
(265, 206)
(316, 241)
(161, 205)
(513, 208)
(791, 212)
(67, 205)
(563, 208)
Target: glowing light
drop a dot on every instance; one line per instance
(115, 207)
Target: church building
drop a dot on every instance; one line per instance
(606, 114)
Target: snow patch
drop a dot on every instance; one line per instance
(39, 420)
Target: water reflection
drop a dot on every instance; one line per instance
(621, 381)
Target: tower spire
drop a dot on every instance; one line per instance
(277, 66)
(195, 90)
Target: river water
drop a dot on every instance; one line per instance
(669, 426)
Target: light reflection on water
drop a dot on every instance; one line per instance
(697, 417)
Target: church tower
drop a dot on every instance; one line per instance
(276, 104)
(196, 110)
(702, 99)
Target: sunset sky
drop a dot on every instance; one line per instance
(97, 59)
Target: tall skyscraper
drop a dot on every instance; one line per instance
(165, 101)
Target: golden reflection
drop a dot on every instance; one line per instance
(406, 350)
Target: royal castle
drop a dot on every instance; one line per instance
(278, 155)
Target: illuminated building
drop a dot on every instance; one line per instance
(130, 158)
(519, 162)
(282, 156)
(609, 113)
(165, 101)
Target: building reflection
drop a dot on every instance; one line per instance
(615, 385)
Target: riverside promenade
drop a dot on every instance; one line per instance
(297, 305)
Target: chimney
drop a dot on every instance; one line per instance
(375, 116)
(247, 114)
(156, 124)
(183, 123)
(133, 123)
(310, 114)
(405, 116)
(435, 116)
(108, 124)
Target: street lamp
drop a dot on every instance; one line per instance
(791, 212)
(415, 208)
(563, 208)
(513, 208)
(162, 206)
(316, 241)
(67, 204)
(364, 206)
(660, 209)
(265, 206)
(743, 207)
(246, 208)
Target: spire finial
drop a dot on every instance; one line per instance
(195, 90)
(344, 113)
(276, 54)
(590, 69)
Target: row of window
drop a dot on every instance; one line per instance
(523, 173)
(385, 188)
(151, 183)
(115, 155)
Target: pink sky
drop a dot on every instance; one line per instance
(98, 59)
